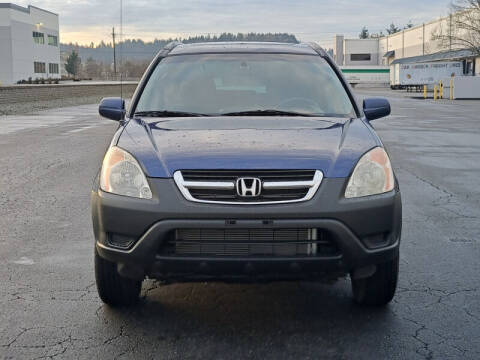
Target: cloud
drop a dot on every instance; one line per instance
(84, 21)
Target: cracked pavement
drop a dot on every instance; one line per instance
(48, 301)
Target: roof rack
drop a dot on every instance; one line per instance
(318, 49)
(169, 47)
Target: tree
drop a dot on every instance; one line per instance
(463, 27)
(377, 35)
(409, 25)
(92, 68)
(73, 63)
(364, 33)
(392, 29)
(139, 53)
(133, 69)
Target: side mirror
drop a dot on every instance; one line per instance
(112, 108)
(375, 108)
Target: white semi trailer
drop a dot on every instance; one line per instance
(405, 75)
(367, 74)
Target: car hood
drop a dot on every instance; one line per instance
(165, 145)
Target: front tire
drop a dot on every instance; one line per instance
(378, 289)
(113, 289)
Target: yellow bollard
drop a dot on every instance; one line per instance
(435, 92)
(424, 91)
(451, 89)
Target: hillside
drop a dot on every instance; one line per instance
(138, 50)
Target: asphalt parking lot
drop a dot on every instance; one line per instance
(48, 301)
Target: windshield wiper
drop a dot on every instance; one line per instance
(167, 113)
(267, 112)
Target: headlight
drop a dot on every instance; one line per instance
(122, 175)
(372, 175)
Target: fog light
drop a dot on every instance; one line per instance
(377, 240)
(120, 241)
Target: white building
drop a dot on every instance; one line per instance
(356, 51)
(411, 45)
(29, 44)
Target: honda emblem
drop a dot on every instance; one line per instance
(249, 187)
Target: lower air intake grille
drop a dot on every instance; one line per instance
(251, 242)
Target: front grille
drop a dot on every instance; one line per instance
(221, 185)
(251, 242)
(267, 195)
(265, 175)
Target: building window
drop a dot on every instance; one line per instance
(53, 68)
(52, 40)
(360, 57)
(39, 67)
(38, 38)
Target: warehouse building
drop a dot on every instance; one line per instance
(350, 52)
(29, 43)
(411, 45)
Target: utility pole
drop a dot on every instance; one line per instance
(114, 54)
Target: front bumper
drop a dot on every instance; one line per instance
(351, 222)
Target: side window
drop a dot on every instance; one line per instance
(39, 67)
(38, 38)
(53, 68)
(360, 57)
(52, 40)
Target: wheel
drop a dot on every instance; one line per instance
(112, 288)
(378, 289)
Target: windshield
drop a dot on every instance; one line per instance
(253, 84)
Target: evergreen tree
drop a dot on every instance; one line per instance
(73, 63)
(364, 33)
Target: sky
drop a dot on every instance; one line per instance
(86, 21)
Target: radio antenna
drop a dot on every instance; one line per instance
(121, 49)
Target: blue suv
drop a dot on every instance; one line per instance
(245, 162)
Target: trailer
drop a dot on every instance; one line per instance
(370, 75)
(419, 74)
